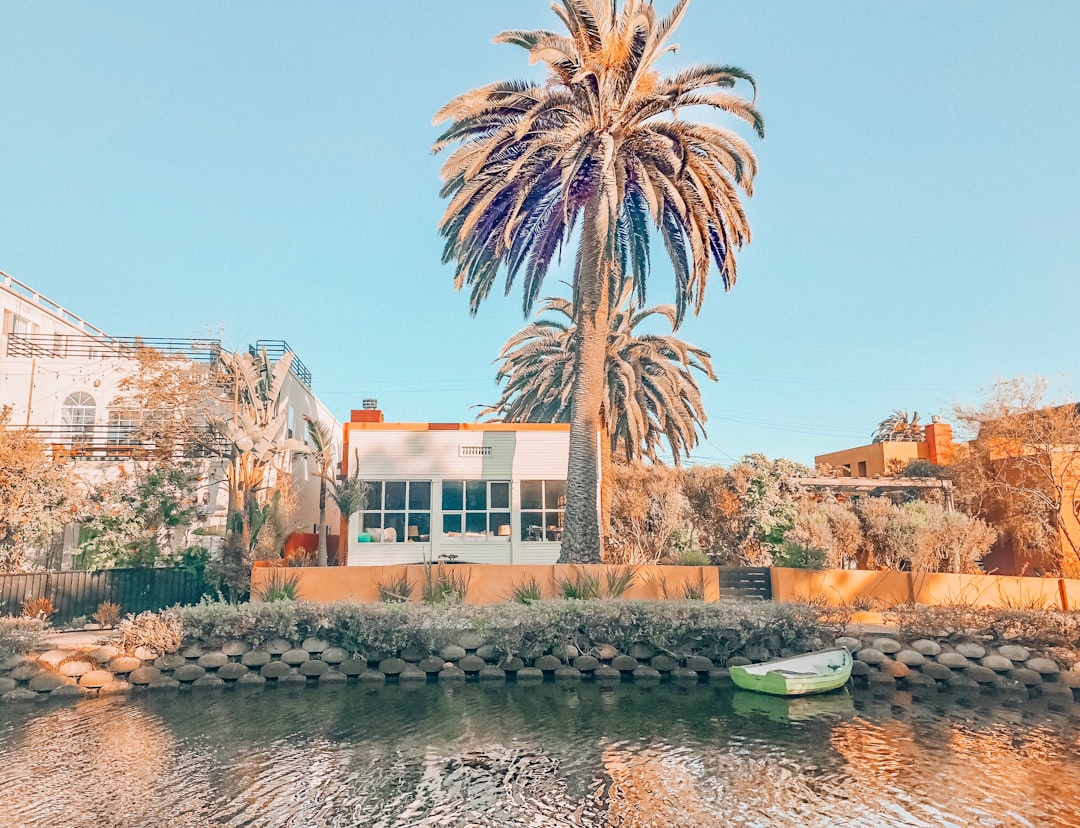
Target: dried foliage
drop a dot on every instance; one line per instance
(1022, 472)
(159, 632)
(107, 614)
(39, 608)
(37, 494)
(734, 516)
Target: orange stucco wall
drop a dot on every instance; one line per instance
(876, 456)
(987, 590)
(487, 584)
(839, 587)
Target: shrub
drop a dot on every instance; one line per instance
(280, 586)
(693, 557)
(798, 556)
(108, 614)
(527, 592)
(158, 632)
(396, 591)
(718, 630)
(443, 585)
(39, 608)
(695, 591)
(20, 635)
(581, 586)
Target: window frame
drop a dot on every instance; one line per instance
(495, 516)
(551, 512)
(406, 512)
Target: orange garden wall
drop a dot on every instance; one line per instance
(494, 583)
(488, 584)
(840, 586)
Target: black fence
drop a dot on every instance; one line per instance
(75, 593)
(745, 582)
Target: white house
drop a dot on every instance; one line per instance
(472, 492)
(61, 377)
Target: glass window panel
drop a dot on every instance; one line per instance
(500, 495)
(395, 494)
(475, 494)
(451, 524)
(554, 494)
(374, 497)
(532, 494)
(453, 498)
(394, 527)
(476, 523)
(372, 520)
(419, 495)
(500, 525)
(531, 523)
(421, 522)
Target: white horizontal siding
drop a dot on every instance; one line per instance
(388, 554)
(536, 553)
(427, 455)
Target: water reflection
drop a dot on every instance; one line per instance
(551, 755)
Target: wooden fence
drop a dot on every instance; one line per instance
(76, 593)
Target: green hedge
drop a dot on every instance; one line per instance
(375, 630)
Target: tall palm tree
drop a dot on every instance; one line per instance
(651, 395)
(601, 143)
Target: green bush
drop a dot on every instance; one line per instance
(718, 630)
(797, 556)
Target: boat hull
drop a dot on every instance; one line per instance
(800, 676)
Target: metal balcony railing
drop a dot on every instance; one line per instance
(124, 442)
(276, 349)
(78, 346)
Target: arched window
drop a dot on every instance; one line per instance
(77, 414)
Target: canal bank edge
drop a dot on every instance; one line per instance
(928, 669)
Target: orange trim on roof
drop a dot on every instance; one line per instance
(556, 427)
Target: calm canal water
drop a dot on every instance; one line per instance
(548, 755)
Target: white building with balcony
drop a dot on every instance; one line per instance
(61, 377)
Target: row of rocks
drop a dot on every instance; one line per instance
(1012, 673)
(884, 664)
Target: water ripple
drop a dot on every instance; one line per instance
(547, 756)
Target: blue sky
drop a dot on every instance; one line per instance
(263, 170)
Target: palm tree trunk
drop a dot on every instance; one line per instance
(322, 521)
(607, 493)
(581, 541)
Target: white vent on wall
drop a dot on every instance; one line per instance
(474, 451)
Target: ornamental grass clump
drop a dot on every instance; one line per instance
(280, 586)
(395, 591)
(444, 586)
(527, 592)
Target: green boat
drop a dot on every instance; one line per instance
(817, 672)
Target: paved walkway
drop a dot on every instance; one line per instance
(79, 639)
